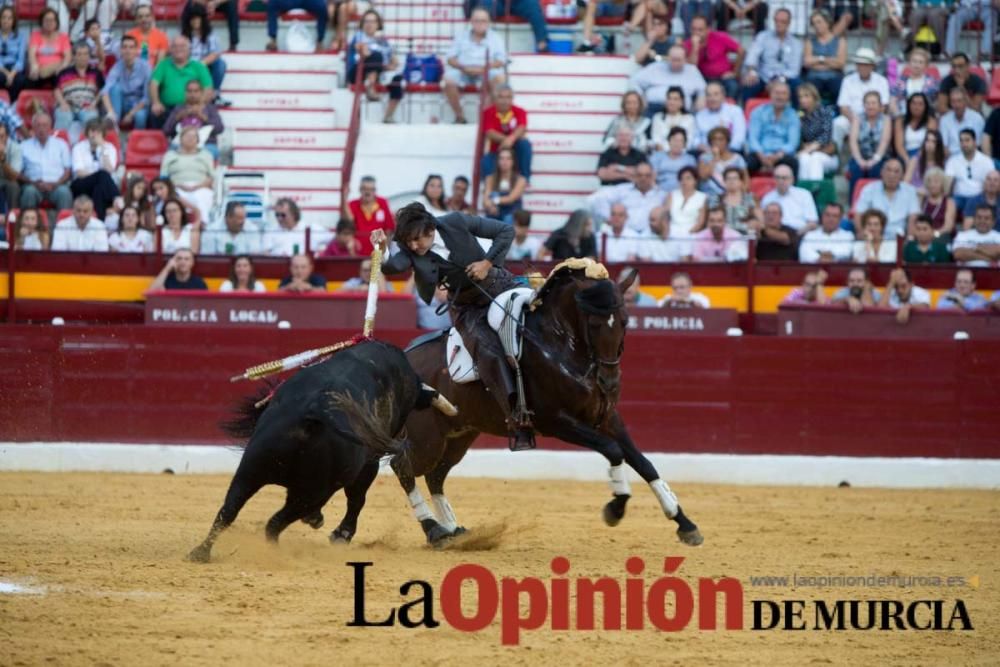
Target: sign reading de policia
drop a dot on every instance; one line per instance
(668, 603)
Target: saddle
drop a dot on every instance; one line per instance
(504, 316)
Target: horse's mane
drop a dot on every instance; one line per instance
(569, 270)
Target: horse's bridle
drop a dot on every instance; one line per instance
(595, 360)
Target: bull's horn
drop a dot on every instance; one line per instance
(441, 403)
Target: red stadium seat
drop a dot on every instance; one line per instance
(253, 10)
(979, 71)
(753, 103)
(29, 10)
(145, 152)
(993, 95)
(26, 105)
(62, 134)
(115, 141)
(168, 10)
(761, 185)
(858, 187)
(974, 25)
(63, 215)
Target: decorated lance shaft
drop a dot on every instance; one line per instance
(373, 282)
(303, 358)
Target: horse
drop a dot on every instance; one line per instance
(572, 345)
(323, 430)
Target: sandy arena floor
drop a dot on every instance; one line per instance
(99, 559)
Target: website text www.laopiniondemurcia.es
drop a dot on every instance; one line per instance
(668, 603)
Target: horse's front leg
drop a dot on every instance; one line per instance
(616, 445)
(687, 531)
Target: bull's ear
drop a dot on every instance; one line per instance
(625, 283)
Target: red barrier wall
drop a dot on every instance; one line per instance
(683, 394)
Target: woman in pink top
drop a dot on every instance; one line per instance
(49, 51)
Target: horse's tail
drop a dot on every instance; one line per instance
(370, 422)
(246, 413)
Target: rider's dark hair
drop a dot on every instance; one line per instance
(413, 221)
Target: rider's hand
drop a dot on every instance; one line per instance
(378, 239)
(479, 270)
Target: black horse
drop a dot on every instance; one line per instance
(324, 430)
(572, 348)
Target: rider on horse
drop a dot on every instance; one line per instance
(444, 251)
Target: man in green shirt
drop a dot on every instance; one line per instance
(925, 249)
(170, 78)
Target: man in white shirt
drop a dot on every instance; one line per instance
(890, 195)
(968, 169)
(466, 60)
(659, 246)
(94, 161)
(289, 238)
(45, 170)
(979, 246)
(681, 295)
(233, 239)
(82, 232)
(653, 81)
(851, 100)
(798, 208)
(903, 295)
(719, 113)
(960, 118)
(639, 198)
(829, 243)
(616, 243)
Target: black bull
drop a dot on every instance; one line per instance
(323, 430)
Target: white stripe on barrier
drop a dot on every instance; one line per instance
(904, 472)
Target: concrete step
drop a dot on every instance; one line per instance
(291, 139)
(570, 142)
(324, 217)
(394, 14)
(569, 103)
(546, 222)
(308, 197)
(446, 26)
(529, 64)
(564, 163)
(284, 62)
(266, 98)
(284, 157)
(279, 118)
(567, 83)
(255, 80)
(296, 177)
(548, 181)
(593, 121)
(554, 203)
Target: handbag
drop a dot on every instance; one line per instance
(424, 68)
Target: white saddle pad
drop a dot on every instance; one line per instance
(460, 365)
(511, 302)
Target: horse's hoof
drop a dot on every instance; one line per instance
(459, 530)
(314, 520)
(341, 536)
(614, 511)
(200, 554)
(690, 537)
(435, 532)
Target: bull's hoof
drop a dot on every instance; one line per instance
(690, 537)
(435, 532)
(341, 536)
(314, 520)
(614, 511)
(200, 554)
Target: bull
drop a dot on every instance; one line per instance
(323, 430)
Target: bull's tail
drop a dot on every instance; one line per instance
(370, 422)
(246, 413)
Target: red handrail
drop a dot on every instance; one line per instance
(353, 130)
(477, 157)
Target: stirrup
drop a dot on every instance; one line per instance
(521, 440)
